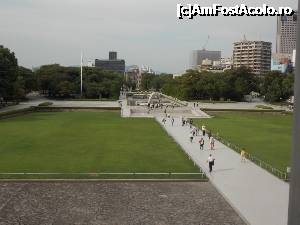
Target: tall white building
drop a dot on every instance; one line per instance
(255, 55)
(286, 34)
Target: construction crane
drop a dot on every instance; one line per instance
(206, 42)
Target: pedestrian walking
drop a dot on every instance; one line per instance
(164, 120)
(201, 143)
(212, 143)
(209, 134)
(191, 123)
(172, 121)
(194, 104)
(211, 162)
(243, 156)
(203, 130)
(194, 132)
(191, 137)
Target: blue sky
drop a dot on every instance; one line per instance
(144, 32)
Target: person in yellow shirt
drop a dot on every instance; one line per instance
(243, 156)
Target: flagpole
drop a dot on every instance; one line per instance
(81, 75)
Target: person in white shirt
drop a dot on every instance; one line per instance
(212, 143)
(203, 130)
(211, 162)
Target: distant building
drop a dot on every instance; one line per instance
(179, 74)
(134, 75)
(215, 66)
(147, 69)
(286, 34)
(197, 57)
(112, 64)
(90, 63)
(282, 62)
(255, 55)
(294, 58)
(282, 58)
(206, 64)
(113, 55)
(275, 66)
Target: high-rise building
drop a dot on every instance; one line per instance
(286, 34)
(111, 64)
(255, 55)
(197, 57)
(113, 55)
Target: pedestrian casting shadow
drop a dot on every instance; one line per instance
(223, 170)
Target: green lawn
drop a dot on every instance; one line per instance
(265, 135)
(85, 142)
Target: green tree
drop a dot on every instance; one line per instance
(8, 73)
(29, 79)
(58, 81)
(277, 86)
(65, 89)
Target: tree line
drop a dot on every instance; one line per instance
(54, 81)
(64, 82)
(229, 85)
(57, 81)
(15, 81)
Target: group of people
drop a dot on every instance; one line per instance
(196, 104)
(186, 122)
(195, 132)
(202, 132)
(164, 120)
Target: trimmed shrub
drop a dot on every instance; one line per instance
(45, 104)
(264, 107)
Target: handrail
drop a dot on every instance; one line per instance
(277, 172)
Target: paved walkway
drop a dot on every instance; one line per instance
(259, 197)
(237, 105)
(58, 103)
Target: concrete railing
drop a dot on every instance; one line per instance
(200, 176)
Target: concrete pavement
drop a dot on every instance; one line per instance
(237, 105)
(60, 103)
(259, 197)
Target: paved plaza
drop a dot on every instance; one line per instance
(114, 203)
(80, 104)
